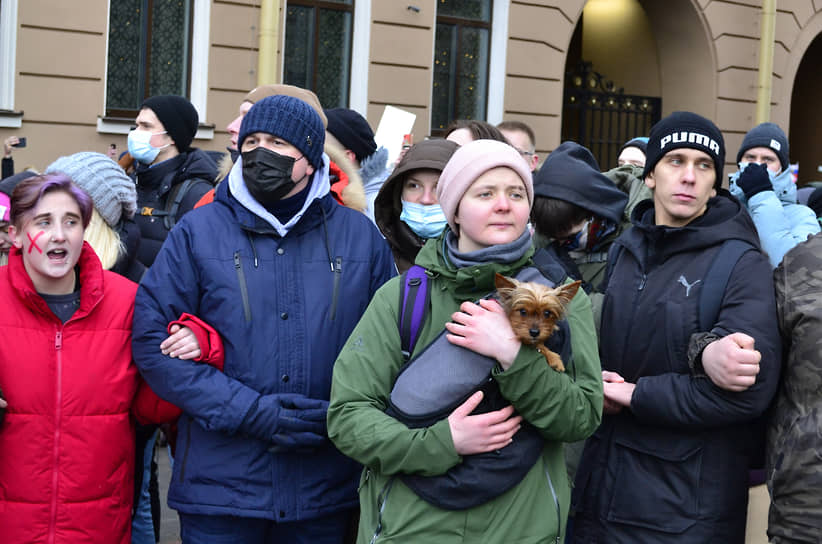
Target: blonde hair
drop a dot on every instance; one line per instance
(103, 240)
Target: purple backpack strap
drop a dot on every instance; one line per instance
(413, 307)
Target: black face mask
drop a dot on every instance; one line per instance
(267, 175)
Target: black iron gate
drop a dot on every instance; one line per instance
(602, 118)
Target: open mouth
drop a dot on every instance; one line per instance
(57, 254)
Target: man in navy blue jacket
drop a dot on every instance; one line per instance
(670, 461)
(283, 273)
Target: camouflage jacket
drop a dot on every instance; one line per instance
(794, 444)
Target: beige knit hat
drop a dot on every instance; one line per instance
(470, 162)
(263, 91)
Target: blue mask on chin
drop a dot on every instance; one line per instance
(427, 221)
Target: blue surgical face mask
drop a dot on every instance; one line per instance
(427, 221)
(140, 148)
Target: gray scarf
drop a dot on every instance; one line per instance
(500, 253)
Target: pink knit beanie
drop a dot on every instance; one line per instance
(470, 162)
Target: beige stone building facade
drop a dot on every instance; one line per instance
(56, 64)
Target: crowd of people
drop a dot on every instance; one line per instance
(273, 311)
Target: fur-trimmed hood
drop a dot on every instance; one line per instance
(352, 195)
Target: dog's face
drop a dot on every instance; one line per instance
(533, 309)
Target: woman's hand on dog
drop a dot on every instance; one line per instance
(483, 432)
(484, 328)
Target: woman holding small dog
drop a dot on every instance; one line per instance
(486, 193)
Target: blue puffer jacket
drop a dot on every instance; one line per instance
(284, 306)
(780, 221)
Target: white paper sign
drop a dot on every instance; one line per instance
(394, 124)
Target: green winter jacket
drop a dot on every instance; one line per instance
(562, 408)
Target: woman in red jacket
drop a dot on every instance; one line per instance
(67, 441)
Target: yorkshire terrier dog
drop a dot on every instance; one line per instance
(534, 310)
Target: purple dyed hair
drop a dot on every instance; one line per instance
(29, 192)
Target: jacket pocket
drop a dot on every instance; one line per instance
(656, 482)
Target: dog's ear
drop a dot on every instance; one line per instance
(567, 292)
(502, 282)
(505, 286)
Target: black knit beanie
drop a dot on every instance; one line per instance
(178, 116)
(291, 119)
(684, 129)
(767, 135)
(353, 131)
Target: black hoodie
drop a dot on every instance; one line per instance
(571, 173)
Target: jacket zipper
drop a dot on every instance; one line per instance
(58, 347)
(337, 268)
(238, 266)
(382, 499)
(556, 501)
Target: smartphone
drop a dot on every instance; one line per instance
(20, 143)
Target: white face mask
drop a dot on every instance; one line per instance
(140, 148)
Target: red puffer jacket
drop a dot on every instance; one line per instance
(67, 442)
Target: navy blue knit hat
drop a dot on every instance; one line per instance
(178, 116)
(684, 129)
(766, 135)
(288, 118)
(353, 131)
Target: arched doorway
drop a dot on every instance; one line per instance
(612, 87)
(806, 116)
(658, 53)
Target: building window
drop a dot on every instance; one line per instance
(461, 53)
(318, 48)
(149, 52)
(8, 52)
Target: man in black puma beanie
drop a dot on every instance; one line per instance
(688, 130)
